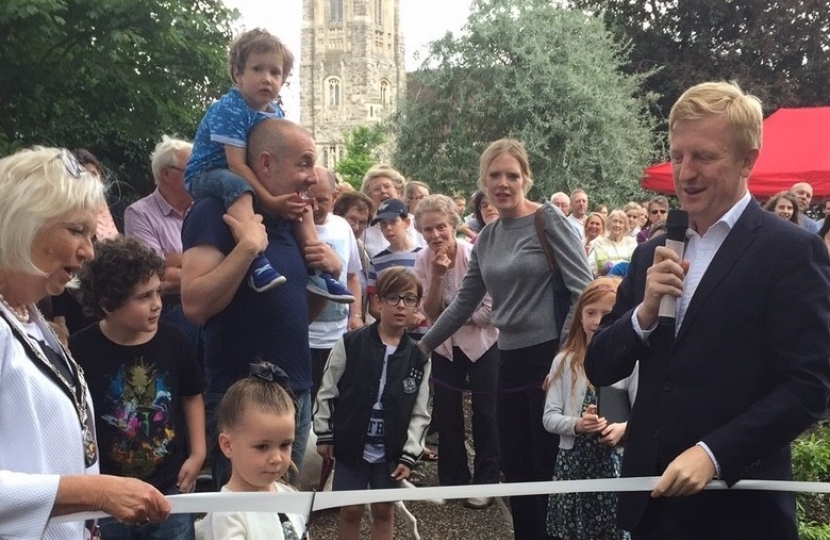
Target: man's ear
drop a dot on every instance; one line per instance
(225, 444)
(265, 163)
(749, 162)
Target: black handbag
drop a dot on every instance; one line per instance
(561, 294)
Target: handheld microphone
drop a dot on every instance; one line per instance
(677, 223)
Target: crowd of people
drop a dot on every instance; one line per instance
(252, 297)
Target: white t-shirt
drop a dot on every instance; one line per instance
(332, 322)
(375, 450)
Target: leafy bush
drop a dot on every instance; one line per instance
(811, 463)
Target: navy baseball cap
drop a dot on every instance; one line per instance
(390, 209)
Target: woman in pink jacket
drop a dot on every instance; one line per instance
(470, 352)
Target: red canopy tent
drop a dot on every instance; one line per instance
(795, 148)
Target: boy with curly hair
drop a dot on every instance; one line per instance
(144, 380)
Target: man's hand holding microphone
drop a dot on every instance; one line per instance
(664, 280)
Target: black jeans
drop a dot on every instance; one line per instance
(448, 379)
(528, 451)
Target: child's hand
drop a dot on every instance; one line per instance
(186, 483)
(589, 422)
(326, 451)
(249, 234)
(401, 472)
(612, 434)
(291, 206)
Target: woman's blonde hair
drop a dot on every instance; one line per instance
(383, 171)
(601, 219)
(512, 147)
(39, 187)
(576, 345)
(623, 216)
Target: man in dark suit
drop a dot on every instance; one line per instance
(746, 367)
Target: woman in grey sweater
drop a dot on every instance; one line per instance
(508, 262)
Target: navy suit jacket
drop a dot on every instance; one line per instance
(747, 371)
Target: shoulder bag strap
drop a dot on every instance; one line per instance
(543, 240)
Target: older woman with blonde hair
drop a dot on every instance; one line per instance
(615, 247)
(49, 463)
(383, 182)
(469, 352)
(509, 263)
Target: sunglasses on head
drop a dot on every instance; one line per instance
(69, 162)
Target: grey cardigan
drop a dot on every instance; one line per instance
(563, 406)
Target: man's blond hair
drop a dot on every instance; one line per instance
(743, 111)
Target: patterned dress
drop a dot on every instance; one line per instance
(585, 516)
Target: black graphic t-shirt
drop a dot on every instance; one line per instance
(137, 393)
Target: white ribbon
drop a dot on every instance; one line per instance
(300, 502)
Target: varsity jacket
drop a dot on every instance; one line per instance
(349, 390)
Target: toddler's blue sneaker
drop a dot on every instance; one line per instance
(322, 284)
(262, 276)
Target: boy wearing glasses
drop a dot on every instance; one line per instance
(371, 412)
(144, 379)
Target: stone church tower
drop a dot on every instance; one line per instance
(351, 69)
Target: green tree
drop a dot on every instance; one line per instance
(546, 75)
(779, 50)
(361, 147)
(109, 75)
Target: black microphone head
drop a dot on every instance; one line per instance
(677, 223)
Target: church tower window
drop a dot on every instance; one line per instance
(384, 92)
(335, 10)
(379, 12)
(333, 91)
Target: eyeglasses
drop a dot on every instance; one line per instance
(658, 211)
(69, 162)
(395, 299)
